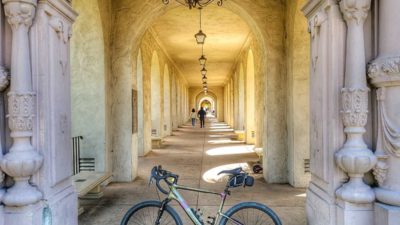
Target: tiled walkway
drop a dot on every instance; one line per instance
(197, 155)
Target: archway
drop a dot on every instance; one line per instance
(208, 104)
(155, 96)
(270, 57)
(250, 98)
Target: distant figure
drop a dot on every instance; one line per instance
(202, 115)
(193, 116)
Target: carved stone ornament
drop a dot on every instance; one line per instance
(389, 134)
(385, 70)
(355, 10)
(381, 168)
(20, 106)
(19, 13)
(4, 78)
(355, 107)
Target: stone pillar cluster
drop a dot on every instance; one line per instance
(22, 161)
(384, 73)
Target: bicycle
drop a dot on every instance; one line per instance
(160, 213)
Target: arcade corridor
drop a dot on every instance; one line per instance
(197, 155)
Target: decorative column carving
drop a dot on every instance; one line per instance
(22, 161)
(385, 75)
(355, 158)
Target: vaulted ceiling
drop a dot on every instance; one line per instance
(226, 34)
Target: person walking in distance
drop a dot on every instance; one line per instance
(193, 116)
(202, 115)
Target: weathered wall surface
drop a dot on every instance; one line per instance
(88, 81)
(297, 66)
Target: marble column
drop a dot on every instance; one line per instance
(22, 161)
(355, 197)
(384, 72)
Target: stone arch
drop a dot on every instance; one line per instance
(250, 99)
(211, 95)
(155, 84)
(167, 102)
(209, 99)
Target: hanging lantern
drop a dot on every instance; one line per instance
(202, 60)
(200, 37)
(204, 71)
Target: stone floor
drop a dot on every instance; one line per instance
(197, 155)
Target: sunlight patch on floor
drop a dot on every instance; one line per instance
(211, 175)
(302, 195)
(231, 150)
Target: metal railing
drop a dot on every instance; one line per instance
(76, 153)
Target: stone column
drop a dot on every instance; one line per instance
(22, 161)
(385, 76)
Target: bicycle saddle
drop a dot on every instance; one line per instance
(234, 172)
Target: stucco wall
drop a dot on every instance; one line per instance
(88, 81)
(298, 63)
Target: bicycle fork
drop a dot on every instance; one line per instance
(164, 203)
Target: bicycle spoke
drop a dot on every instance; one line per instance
(148, 216)
(251, 216)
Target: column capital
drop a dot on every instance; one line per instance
(20, 12)
(355, 11)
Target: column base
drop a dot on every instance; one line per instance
(63, 210)
(352, 214)
(386, 214)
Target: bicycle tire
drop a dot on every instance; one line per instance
(150, 204)
(235, 210)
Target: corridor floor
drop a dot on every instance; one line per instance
(197, 155)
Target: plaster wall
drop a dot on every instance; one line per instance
(88, 81)
(297, 66)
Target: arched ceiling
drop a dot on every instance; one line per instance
(226, 34)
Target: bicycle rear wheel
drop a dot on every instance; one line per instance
(250, 213)
(145, 213)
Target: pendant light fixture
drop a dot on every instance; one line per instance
(203, 71)
(200, 36)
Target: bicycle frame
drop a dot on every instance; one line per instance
(175, 195)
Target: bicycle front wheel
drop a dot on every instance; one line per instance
(146, 213)
(250, 213)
